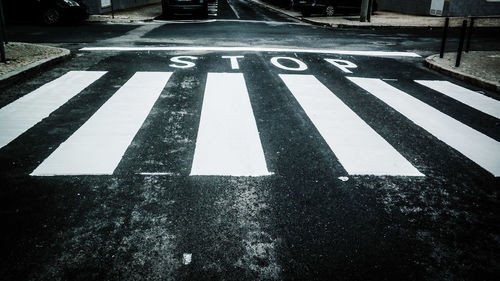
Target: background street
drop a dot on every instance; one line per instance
(247, 146)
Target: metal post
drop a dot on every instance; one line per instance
(364, 11)
(2, 23)
(370, 10)
(2, 52)
(443, 40)
(3, 37)
(461, 43)
(112, 10)
(469, 35)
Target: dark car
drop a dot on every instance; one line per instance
(50, 12)
(328, 7)
(194, 7)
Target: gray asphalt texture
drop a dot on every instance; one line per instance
(302, 223)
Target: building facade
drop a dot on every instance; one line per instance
(104, 6)
(442, 7)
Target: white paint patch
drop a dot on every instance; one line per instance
(254, 49)
(187, 258)
(181, 62)
(22, 114)
(159, 174)
(228, 142)
(274, 23)
(359, 149)
(473, 99)
(300, 65)
(234, 61)
(343, 65)
(476, 146)
(234, 10)
(98, 146)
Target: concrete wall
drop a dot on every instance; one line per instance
(96, 8)
(452, 8)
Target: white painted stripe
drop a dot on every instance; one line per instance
(255, 49)
(274, 23)
(234, 10)
(22, 114)
(473, 99)
(228, 142)
(359, 149)
(478, 147)
(97, 147)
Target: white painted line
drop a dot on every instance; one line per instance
(228, 142)
(22, 114)
(254, 49)
(272, 23)
(159, 174)
(478, 147)
(473, 99)
(97, 147)
(359, 149)
(234, 10)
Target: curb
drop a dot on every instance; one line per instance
(32, 68)
(488, 85)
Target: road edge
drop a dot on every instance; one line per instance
(30, 69)
(455, 73)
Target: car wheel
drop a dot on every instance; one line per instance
(51, 16)
(330, 10)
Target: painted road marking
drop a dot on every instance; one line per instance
(228, 142)
(473, 99)
(476, 146)
(234, 10)
(97, 147)
(22, 114)
(255, 49)
(359, 149)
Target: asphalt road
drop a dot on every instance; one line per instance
(260, 148)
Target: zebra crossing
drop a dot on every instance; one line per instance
(228, 141)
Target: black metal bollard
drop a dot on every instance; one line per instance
(469, 35)
(461, 43)
(3, 36)
(443, 40)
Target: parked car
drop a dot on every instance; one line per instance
(328, 7)
(50, 12)
(194, 7)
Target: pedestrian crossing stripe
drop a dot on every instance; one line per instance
(473, 99)
(359, 149)
(474, 145)
(228, 141)
(24, 113)
(227, 125)
(97, 147)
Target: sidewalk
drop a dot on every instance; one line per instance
(382, 19)
(24, 58)
(140, 14)
(479, 68)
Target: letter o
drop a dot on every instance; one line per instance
(300, 65)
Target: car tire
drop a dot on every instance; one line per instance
(51, 16)
(330, 10)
